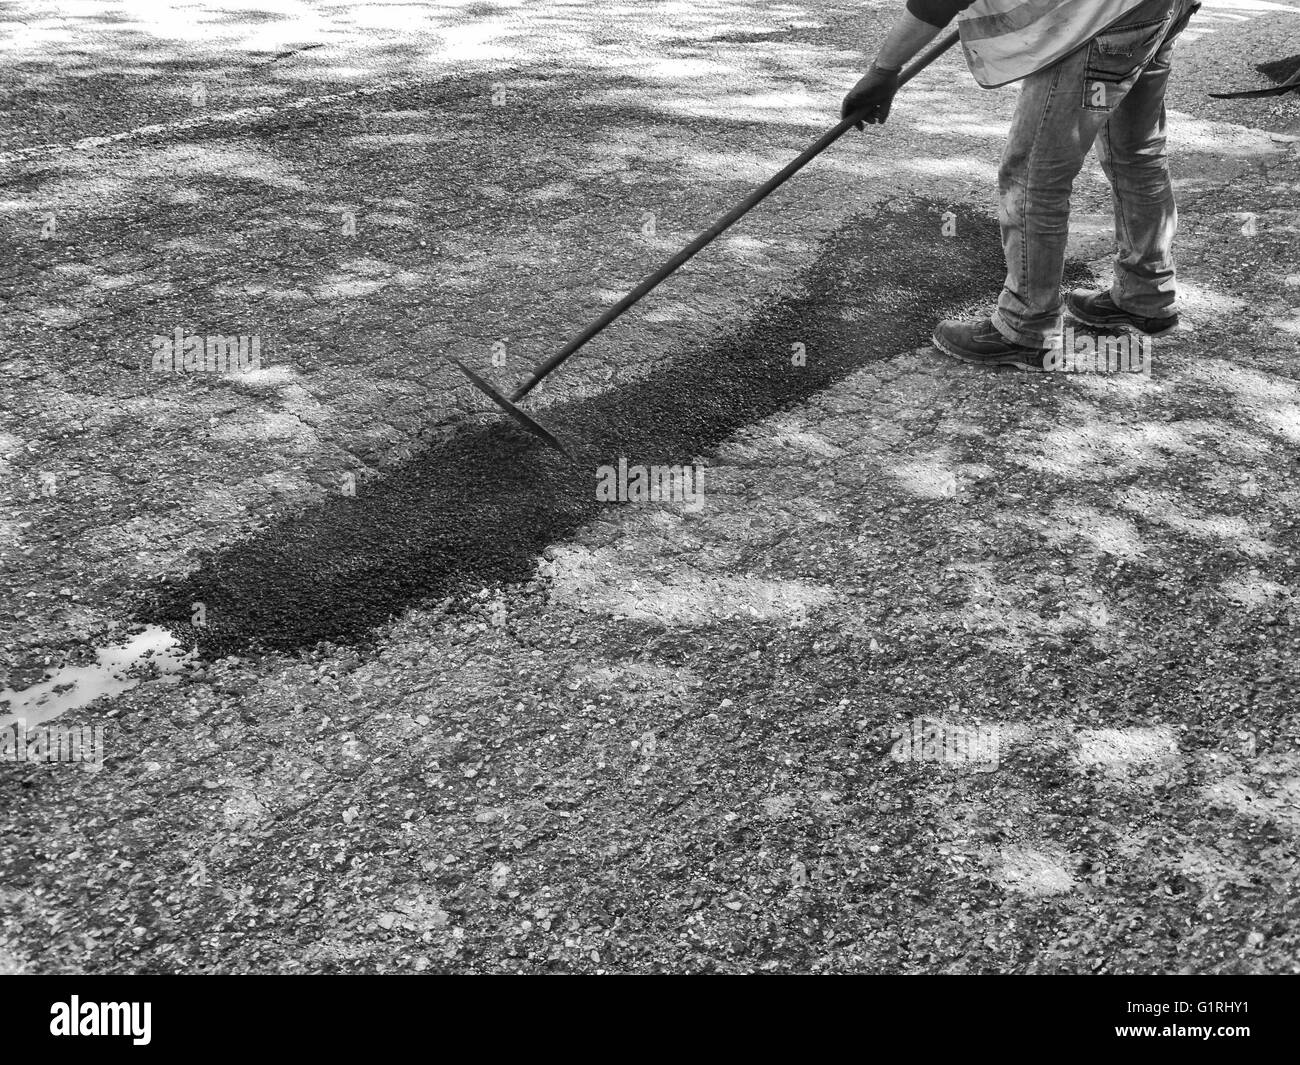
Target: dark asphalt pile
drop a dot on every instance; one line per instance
(477, 508)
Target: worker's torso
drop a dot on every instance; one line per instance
(1006, 40)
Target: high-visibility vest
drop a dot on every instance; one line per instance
(1006, 40)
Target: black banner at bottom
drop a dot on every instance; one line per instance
(148, 1014)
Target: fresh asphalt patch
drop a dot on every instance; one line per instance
(478, 507)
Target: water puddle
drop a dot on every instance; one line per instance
(116, 669)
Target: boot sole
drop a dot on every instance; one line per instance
(1118, 323)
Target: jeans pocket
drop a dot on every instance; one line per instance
(1115, 58)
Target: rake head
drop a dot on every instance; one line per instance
(508, 406)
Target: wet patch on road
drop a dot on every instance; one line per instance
(116, 669)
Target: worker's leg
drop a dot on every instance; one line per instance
(1131, 148)
(1059, 114)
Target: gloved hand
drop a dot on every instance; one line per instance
(875, 92)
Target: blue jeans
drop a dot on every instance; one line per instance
(1111, 92)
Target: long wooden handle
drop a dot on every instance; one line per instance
(721, 225)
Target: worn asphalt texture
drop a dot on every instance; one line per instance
(472, 719)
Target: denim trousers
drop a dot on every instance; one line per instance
(1110, 92)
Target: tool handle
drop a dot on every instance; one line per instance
(721, 225)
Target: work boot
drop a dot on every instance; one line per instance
(979, 342)
(1098, 310)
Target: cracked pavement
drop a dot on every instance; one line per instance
(451, 713)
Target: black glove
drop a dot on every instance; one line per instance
(873, 96)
